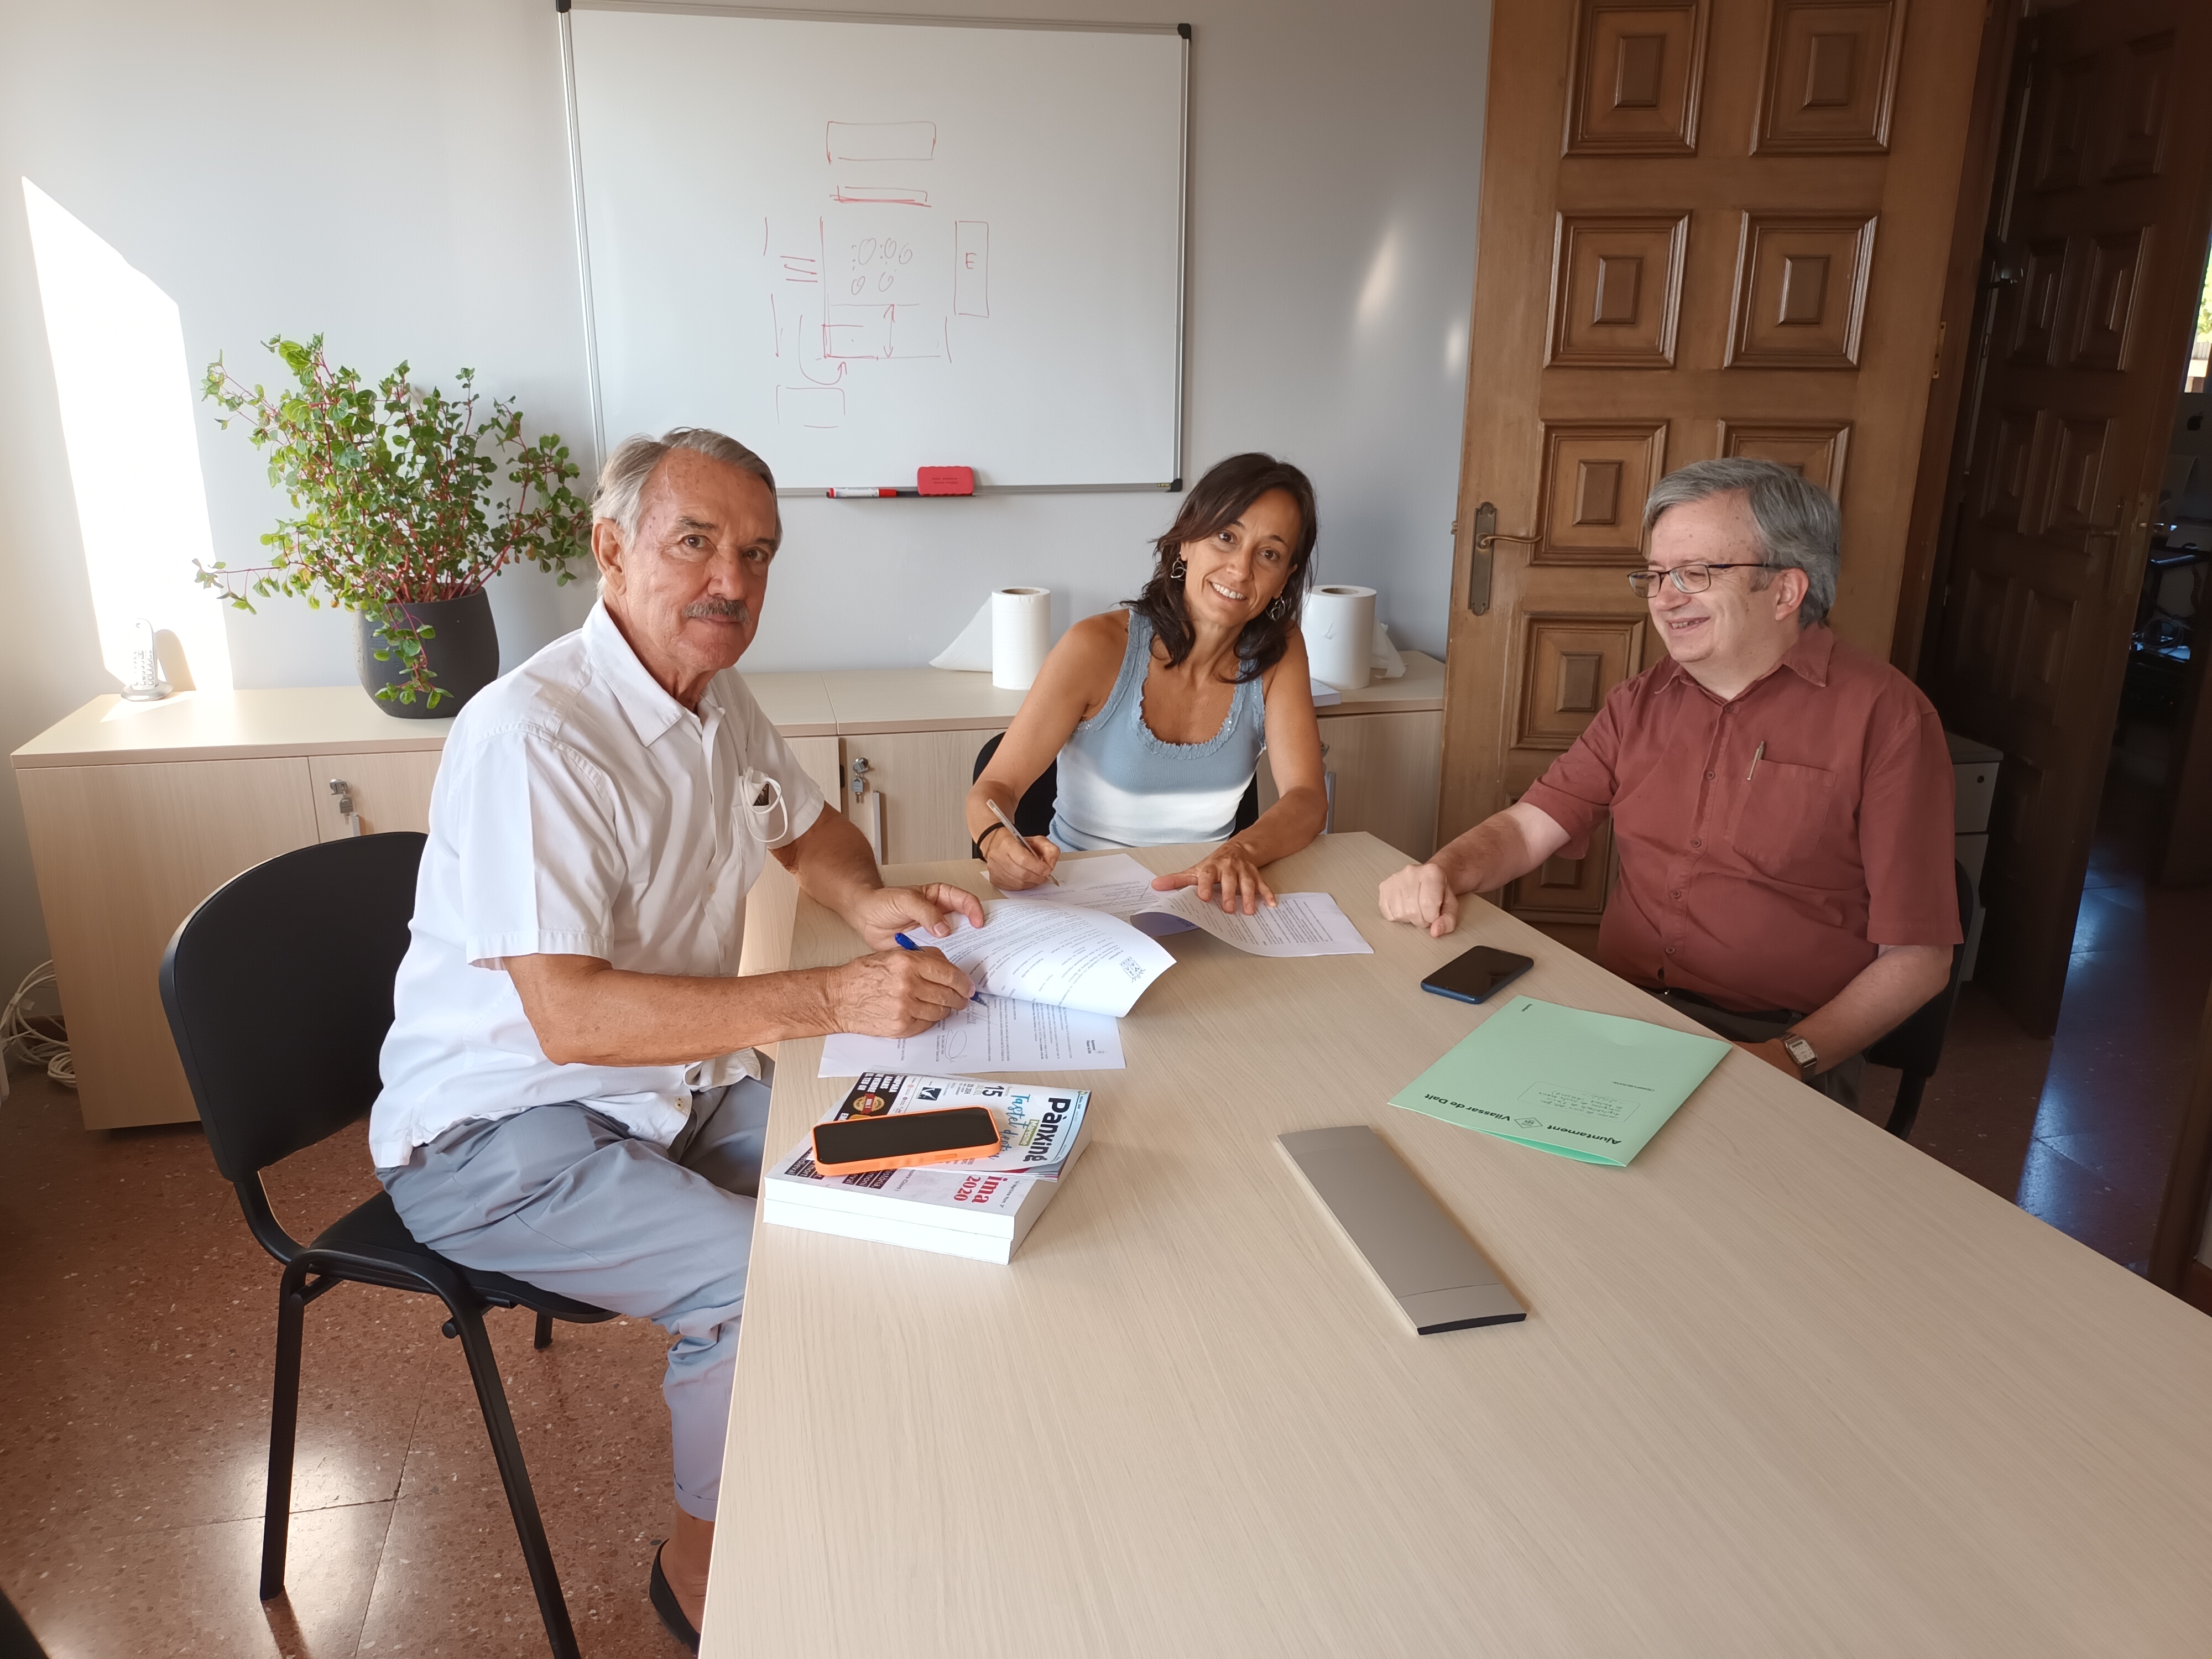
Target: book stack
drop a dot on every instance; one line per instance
(980, 1208)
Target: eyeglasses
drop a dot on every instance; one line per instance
(1688, 578)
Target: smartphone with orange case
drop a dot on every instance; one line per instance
(855, 1145)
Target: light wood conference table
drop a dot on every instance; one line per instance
(1787, 1386)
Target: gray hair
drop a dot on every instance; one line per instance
(619, 498)
(1799, 525)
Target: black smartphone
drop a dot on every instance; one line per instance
(1472, 975)
(853, 1146)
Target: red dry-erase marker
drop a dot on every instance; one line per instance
(866, 494)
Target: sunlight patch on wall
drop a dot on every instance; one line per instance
(1380, 287)
(126, 404)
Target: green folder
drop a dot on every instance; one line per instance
(1589, 1086)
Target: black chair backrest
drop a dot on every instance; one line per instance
(278, 990)
(1916, 1046)
(1033, 813)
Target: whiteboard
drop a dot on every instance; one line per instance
(863, 247)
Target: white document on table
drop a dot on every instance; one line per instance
(994, 1033)
(1056, 954)
(1115, 884)
(1295, 925)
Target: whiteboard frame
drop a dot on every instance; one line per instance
(706, 8)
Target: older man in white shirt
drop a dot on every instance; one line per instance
(570, 1094)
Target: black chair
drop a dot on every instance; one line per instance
(17, 1641)
(1033, 813)
(1916, 1048)
(278, 990)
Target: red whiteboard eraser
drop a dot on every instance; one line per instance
(944, 480)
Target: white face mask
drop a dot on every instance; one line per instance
(762, 797)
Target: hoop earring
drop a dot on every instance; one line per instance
(1178, 570)
(1280, 609)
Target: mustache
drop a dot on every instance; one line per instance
(718, 611)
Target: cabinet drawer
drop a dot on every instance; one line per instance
(818, 758)
(388, 792)
(1387, 769)
(918, 783)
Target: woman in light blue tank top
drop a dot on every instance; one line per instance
(1156, 712)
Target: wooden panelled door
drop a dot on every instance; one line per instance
(2100, 208)
(1708, 228)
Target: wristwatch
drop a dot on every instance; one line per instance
(1800, 1051)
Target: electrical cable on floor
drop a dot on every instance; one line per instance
(32, 1038)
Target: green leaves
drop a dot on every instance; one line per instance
(402, 494)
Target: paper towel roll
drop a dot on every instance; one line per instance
(1339, 630)
(1021, 633)
(1388, 664)
(972, 650)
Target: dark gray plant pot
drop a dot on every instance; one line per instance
(462, 649)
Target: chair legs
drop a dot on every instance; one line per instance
(545, 1337)
(467, 1323)
(506, 1450)
(1908, 1105)
(283, 1430)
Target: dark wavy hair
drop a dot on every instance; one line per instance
(1214, 503)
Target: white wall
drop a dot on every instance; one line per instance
(395, 176)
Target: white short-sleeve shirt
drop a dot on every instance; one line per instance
(579, 811)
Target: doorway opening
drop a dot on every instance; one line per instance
(2162, 688)
(2067, 628)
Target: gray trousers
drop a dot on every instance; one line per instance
(1840, 1082)
(565, 1199)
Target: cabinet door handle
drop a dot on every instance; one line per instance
(868, 815)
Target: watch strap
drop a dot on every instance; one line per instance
(1802, 1052)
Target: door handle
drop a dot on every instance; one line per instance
(2130, 543)
(1484, 553)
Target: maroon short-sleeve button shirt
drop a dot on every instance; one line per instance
(1774, 875)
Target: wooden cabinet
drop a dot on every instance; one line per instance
(381, 793)
(915, 787)
(1387, 769)
(819, 758)
(1383, 770)
(137, 811)
(124, 855)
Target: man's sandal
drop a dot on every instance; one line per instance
(670, 1609)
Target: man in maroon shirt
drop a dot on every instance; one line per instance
(1782, 803)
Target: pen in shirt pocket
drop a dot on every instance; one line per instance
(1756, 756)
(906, 944)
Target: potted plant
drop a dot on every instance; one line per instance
(404, 516)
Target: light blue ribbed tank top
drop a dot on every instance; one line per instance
(1120, 785)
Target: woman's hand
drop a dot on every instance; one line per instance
(1016, 864)
(1228, 868)
(882, 913)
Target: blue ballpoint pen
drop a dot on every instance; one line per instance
(906, 944)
